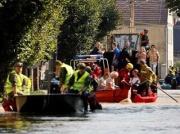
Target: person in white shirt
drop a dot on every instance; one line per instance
(102, 81)
(135, 81)
(110, 82)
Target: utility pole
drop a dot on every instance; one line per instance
(131, 23)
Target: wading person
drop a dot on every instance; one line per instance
(79, 83)
(147, 77)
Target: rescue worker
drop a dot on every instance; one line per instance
(79, 83)
(125, 75)
(147, 77)
(65, 73)
(124, 80)
(26, 86)
(93, 102)
(13, 87)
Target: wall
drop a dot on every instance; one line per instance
(157, 36)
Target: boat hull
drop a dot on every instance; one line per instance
(51, 103)
(117, 95)
(111, 96)
(145, 99)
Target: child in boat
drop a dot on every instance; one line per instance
(110, 82)
(135, 81)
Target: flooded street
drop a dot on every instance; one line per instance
(161, 117)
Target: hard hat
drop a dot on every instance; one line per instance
(129, 66)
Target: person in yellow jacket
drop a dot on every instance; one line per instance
(79, 83)
(147, 76)
(13, 86)
(65, 72)
(26, 85)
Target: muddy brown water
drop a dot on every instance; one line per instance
(161, 117)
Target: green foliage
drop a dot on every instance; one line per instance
(79, 29)
(110, 16)
(41, 39)
(173, 5)
(87, 21)
(29, 30)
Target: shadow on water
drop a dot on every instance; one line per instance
(11, 122)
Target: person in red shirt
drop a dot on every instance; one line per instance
(124, 76)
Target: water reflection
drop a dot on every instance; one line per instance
(161, 117)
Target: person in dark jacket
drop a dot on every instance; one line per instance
(125, 57)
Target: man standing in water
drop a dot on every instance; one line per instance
(79, 83)
(147, 76)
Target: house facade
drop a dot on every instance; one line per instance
(151, 15)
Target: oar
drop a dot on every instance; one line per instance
(166, 93)
(160, 89)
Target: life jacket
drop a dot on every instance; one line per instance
(27, 86)
(70, 72)
(79, 83)
(8, 85)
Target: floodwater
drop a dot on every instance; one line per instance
(161, 117)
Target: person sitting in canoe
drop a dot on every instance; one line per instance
(102, 81)
(124, 76)
(134, 80)
(110, 82)
(79, 83)
(147, 77)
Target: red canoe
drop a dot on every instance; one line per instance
(117, 95)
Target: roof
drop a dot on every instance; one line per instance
(145, 11)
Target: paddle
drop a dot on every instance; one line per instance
(166, 93)
(160, 89)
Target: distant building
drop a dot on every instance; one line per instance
(151, 15)
(177, 41)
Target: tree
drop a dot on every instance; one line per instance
(79, 29)
(29, 30)
(173, 5)
(87, 21)
(110, 18)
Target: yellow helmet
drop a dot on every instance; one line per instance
(129, 66)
